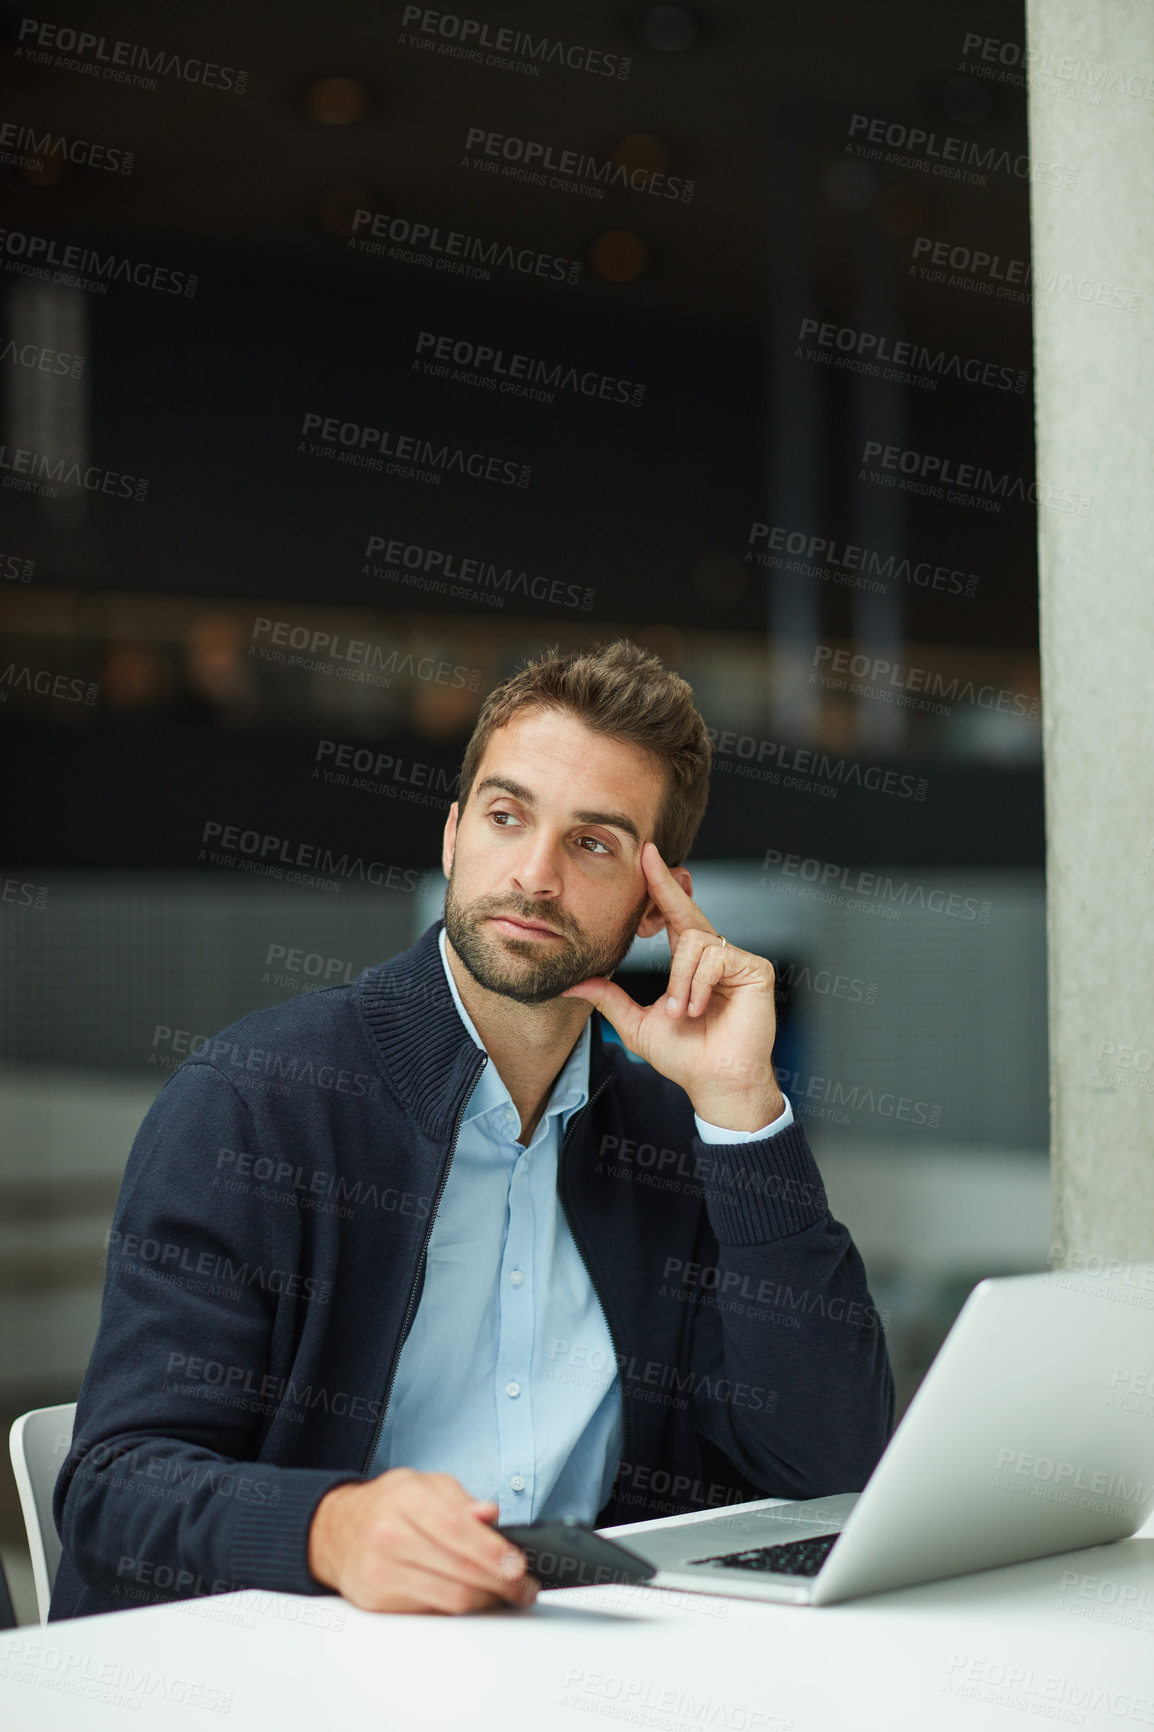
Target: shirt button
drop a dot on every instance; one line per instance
(512, 1389)
(517, 1483)
(517, 1277)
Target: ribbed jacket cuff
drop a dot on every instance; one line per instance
(755, 1192)
(270, 1543)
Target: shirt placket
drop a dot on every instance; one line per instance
(516, 1445)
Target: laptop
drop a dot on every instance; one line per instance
(1029, 1435)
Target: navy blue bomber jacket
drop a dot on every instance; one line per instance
(266, 1258)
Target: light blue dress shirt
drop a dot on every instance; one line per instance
(508, 1379)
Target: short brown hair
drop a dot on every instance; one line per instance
(626, 693)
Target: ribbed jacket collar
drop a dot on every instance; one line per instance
(426, 1054)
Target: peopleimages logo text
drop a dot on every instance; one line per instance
(367, 447)
(44, 472)
(956, 158)
(95, 270)
(969, 480)
(1038, 66)
(452, 250)
(886, 673)
(38, 358)
(448, 573)
(1015, 279)
(506, 48)
(23, 146)
(360, 652)
(904, 354)
(46, 684)
(119, 60)
(818, 767)
(540, 159)
(844, 884)
(818, 553)
(518, 375)
(272, 853)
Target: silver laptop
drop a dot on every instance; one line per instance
(1029, 1435)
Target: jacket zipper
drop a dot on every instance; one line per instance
(626, 1433)
(420, 1266)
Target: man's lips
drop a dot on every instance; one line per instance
(523, 928)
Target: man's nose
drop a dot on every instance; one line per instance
(537, 872)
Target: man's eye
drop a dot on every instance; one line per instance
(596, 840)
(502, 814)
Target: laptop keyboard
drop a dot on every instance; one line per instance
(795, 1558)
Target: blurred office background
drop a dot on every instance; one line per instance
(738, 515)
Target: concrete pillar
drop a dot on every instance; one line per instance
(1094, 357)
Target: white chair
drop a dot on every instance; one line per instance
(39, 1442)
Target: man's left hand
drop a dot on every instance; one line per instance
(712, 1031)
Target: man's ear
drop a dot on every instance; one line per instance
(449, 840)
(653, 921)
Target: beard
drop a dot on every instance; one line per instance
(528, 969)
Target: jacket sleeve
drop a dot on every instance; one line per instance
(791, 1376)
(160, 1484)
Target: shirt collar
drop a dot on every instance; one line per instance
(569, 1092)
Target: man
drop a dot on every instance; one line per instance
(391, 1265)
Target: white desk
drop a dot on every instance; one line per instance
(1003, 1650)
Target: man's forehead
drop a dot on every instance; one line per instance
(574, 766)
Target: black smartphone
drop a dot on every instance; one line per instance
(567, 1553)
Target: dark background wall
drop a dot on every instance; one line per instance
(708, 311)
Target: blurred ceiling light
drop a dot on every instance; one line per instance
(336, 101)
(442, 712)
(217, 666)
(642, 150)
(134, 676)
(837, 724)
(336, 206)
(849, 184)
(619, 256)
(903, 210)
(212, 633)
(670, 29)
(44, 172)
(969, 101)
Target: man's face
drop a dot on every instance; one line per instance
(551, 838)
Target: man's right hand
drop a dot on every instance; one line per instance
(415, 1542)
